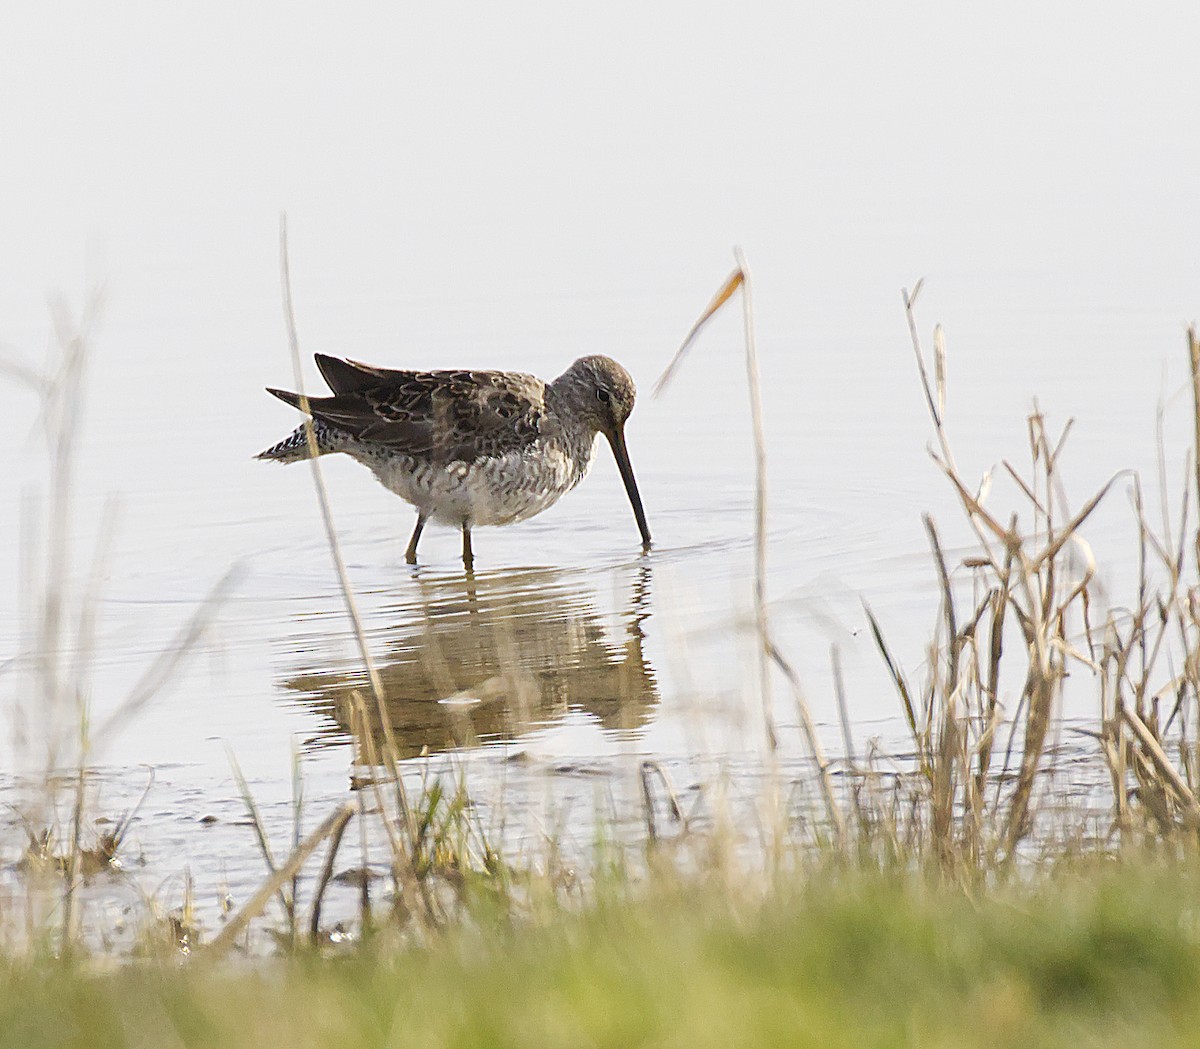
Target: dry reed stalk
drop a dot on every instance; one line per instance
(1028, 584)
(1128, 662)
(768, 651)
(409, 887)
(297, 831)
(839, 693)
(61, 393)
(334, 823)
(1000, 599)
(61, 412)
(732, 283)
(939, 559)
(391, 751)
(335, 843)
(942, 792)
(979, 518)
(74, 872)
(920, 735)
(754, 383)
(1193, 341)
(365, 923)
(1163, 766)
(286, 899)
(832, 809)
(646, 769)
(739, 279)
(648, 805)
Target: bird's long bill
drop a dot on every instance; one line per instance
(621, 454)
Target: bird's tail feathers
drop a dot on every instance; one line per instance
(295, 447)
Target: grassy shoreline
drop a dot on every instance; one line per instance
(1097, 953)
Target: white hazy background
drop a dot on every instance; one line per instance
(457, 153)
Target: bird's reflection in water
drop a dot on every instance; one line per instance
(490, 657)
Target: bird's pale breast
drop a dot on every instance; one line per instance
(492, 490)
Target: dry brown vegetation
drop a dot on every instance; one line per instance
(981, 785)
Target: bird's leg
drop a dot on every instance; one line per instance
(468, 557)
(410, 555)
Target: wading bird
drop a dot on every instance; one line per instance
(470, 448)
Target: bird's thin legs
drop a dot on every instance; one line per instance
(410, 555)
(468, 557)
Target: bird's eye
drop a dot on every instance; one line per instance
(603, 396)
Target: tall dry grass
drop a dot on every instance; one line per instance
(984, 720)
(977, 793)
(983, 781)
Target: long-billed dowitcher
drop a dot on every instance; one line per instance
(470, 448)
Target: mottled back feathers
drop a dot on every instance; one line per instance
(437, 416)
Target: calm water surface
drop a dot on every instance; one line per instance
(454, 202)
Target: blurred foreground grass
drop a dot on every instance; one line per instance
(1101, 953)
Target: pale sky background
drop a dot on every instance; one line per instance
(445, 151)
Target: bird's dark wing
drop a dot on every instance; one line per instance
(439, 416)
(348, 376)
